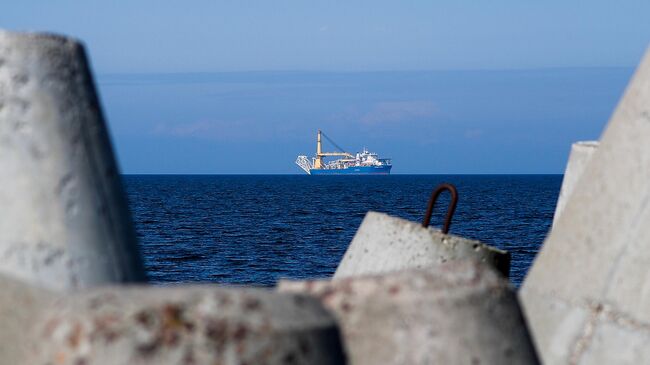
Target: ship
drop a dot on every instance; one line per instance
(361, 163)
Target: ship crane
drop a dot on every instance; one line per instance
(318, 162)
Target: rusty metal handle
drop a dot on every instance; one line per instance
(450, 210)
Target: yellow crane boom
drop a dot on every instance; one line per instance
(318, 163)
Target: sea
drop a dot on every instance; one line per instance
(256, 229)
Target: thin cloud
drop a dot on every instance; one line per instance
(399, 111)
(188, 130)
(211, 130)
(473, 133)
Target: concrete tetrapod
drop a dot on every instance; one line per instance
(20, 305)
(460, 312)
(586, 298)
(579, 157)
(384, 243)
(173, 325)
(64, 221)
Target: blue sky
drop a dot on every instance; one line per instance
(439, 86)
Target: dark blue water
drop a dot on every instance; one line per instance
(254, 229)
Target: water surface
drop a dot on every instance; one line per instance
(255, 229)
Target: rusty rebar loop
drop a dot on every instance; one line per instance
(450, 210)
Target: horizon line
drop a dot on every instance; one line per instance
(298, 71)
(303, 174)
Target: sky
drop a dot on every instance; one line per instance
(439, 86)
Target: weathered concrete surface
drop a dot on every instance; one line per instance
(20, 303)
(579, 157)
(180, 325)
(459, 312)
(587, 295)
(384, 243)
(64, 222)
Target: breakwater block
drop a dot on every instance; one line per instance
(586, 297)
(384, 243)
(579, 157)
(459, 312)
(174, 325)
(20, 304)
(64, 221)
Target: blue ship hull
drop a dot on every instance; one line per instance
(354, 170)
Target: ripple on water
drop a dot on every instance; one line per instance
(256, 229)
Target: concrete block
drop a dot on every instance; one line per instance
(64, 221)
(608, 336)
(579, 157)
(459, 312)
(598, 253)
(176, 325)
(20, 304)
(384, 243)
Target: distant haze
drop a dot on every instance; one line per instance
(428, 122)
(441, 87)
